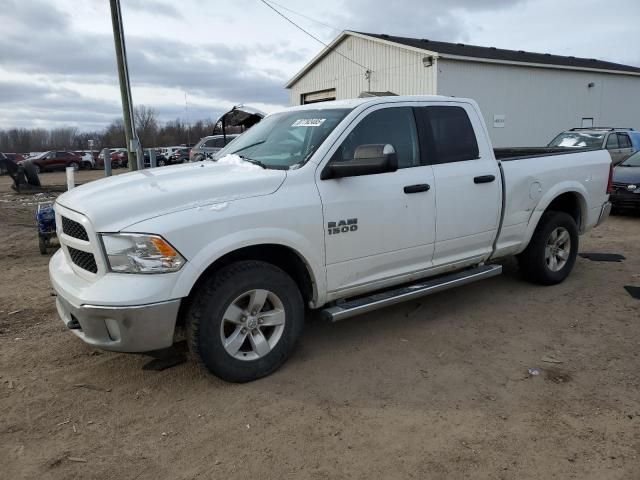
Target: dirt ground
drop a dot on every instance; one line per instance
(431, 389)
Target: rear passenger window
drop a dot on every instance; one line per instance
(447, 134)
(612, 141)
(623, 140)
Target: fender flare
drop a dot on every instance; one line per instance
(561, 188)
(222, 246)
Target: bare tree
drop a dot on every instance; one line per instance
(151, 133)
(146, 125)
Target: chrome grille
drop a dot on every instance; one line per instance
(74, 229)
(84, 260)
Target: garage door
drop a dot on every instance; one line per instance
(321, 96)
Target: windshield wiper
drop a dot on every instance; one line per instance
(254, 161)
(248, 146)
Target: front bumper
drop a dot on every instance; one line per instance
(625, 199)
(138, 328)
(605, 211)
(124, 313)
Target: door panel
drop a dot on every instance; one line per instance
(373, 229)
(624, 142)
(387, 221)
(468, 212)
(614, 148)
(467, 182)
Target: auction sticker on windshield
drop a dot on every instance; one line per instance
(308, 122)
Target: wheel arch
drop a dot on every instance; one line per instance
(570, 199)
(282, 256)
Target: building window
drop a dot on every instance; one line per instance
(320, 96)
(587, 122)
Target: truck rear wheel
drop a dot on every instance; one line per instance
(551, 253)
(245, 321)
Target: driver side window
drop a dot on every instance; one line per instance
(394, 126)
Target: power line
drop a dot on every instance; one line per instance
(305, 16)
(310, 34)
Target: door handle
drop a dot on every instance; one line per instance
(421, 187)
(484, 179)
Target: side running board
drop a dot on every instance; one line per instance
(353, 307)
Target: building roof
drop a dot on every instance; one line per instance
(492, 53)
(474, 52)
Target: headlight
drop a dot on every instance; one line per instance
(140, 253)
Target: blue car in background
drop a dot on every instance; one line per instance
(620, 142)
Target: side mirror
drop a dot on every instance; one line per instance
(367, 160)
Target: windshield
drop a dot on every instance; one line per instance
(578, 139)
(632, 161)
(285, 139)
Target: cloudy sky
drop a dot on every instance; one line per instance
(57, 60)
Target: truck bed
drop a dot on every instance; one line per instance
(516, 153)
(530, 186)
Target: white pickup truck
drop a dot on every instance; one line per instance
(343, 206)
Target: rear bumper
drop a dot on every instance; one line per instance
(605, 211)
(138, 328)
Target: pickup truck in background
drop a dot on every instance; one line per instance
(344, 206)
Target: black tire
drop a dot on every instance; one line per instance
(74, 165)
(42, 245)
(216, 294)
(533, 261)
(31, 171)
(161, 163)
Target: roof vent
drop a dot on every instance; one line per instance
(461, 44)
(384, 35)
(520, 51)
(425, 39)
(492, 48)
(547, 54)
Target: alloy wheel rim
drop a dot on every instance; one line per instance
(252, 324)
(558, 249)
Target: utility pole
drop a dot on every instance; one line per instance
(125, 88)
(186, 111)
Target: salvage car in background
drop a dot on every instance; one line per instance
(626, 183)
(180, 155)
(209, 146)
(88, 158)
(161, 160)
(55, 160)
(621, 142)
(240, 117)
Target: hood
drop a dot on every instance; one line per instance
(626, 175)
(116, 202)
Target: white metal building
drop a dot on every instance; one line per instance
(526, 98)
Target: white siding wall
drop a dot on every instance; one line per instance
(395, 69)
(538, 103)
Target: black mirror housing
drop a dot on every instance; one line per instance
(367, 160)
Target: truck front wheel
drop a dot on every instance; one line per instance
(551, 253)
(245, 321)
